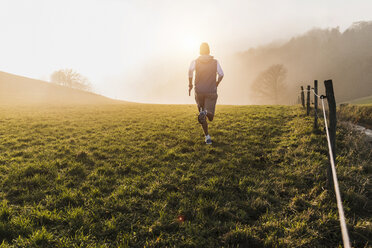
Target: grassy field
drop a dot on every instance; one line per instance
(357, 113)
(363, 101)
(141, 176)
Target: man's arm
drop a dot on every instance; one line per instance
(220, 73)
(219, 79)
(190, 85)
(191, 74)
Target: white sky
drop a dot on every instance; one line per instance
(107, 39)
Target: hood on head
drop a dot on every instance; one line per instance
(205, 58)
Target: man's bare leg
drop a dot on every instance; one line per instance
(202, 118)
(205, 127)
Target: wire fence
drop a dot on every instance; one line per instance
(345, 235)
(331, 145)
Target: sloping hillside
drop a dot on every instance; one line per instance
(363, 100)
(357, 111)
(17, 90)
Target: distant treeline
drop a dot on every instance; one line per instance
(345, 57)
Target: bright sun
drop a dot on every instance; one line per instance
(190, 44)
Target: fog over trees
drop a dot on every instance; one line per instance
(270, 84)
(71, 78)
(345, 57)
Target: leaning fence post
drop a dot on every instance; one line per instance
(308, 101)
(332, 124)
(302, 96)
(315, 105)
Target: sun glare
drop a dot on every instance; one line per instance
(190, 43)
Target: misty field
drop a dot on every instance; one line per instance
(137, 175)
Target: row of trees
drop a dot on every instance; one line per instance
(71, 78)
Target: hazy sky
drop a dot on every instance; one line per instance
(105, 40)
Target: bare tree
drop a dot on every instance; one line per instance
(72, 79)
(270, 84)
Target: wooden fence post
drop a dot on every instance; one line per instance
(308, 101)
(316, 105)
(332, 124)
(302, 96)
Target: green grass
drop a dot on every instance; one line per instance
(362, 101)
(357, 111)
(122, 175)
(360, 114)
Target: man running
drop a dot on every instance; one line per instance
(206, 69)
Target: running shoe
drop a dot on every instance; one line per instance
(208, 140)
